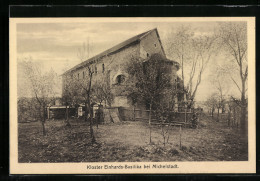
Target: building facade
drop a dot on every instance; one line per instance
(111, 65)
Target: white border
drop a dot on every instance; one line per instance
(80, 168)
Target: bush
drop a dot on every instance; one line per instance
(27, 110)
(173, 152)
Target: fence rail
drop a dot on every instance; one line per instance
(127, 114)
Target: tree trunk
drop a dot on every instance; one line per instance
(180, 138)
(218, 115)
(134, 113)
(43, 122)
(93, 140)
(67, 117)
(43, 129)
(182, 73)
(243, 125)
(229, 117)
(212, 113)
(234, 117)
(150, 117)
(185, 113)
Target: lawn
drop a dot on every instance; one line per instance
(129, 141)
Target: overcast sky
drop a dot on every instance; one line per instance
(55, 45)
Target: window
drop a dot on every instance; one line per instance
(95, 69)
(83, 74)
(103, 68)
(78, 76)
(147, 54)
(155, 45)
(89, 71)
(120, 79)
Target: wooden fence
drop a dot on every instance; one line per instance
(127, 114)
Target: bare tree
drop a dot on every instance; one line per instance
(179, 45)
(42, 86)
(204, 48)
(233, 109)
(193, 53)
(102, 91)
(84, 87)
(69, 96)
(165, 131)
(221, 84)
(211, 103)
(233, 39)
(82, 92)
(83, 52)
(163, 114)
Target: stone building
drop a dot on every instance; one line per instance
(110, 65)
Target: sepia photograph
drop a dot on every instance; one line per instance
(132, 95)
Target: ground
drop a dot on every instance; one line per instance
(129, 141)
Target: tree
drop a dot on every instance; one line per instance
(69, 95)
(221, 84)
(233, 39)
(204, 48)
(149, 82)
(102, 91)
(84, 91)
(211, 103)
(233, 109)
(179, 45)
(193, 53)
(42, 85)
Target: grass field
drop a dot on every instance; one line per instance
(129, 141)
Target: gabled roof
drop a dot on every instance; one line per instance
(116, 48)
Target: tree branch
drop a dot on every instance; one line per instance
(236, 84)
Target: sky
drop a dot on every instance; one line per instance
(55, 45)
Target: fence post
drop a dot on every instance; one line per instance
(150, 119)
(48, 112)
(185, 114)
(134, 114)
(180, 136)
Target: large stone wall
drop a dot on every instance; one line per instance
(114, 65)
(150, 45)
(108, 68)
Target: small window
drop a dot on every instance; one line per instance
(90, 71)
(83, 74)
(95, 69)
(155, 45)
(78, 76)
(147, 54)
(120, 79)
(103, 68)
